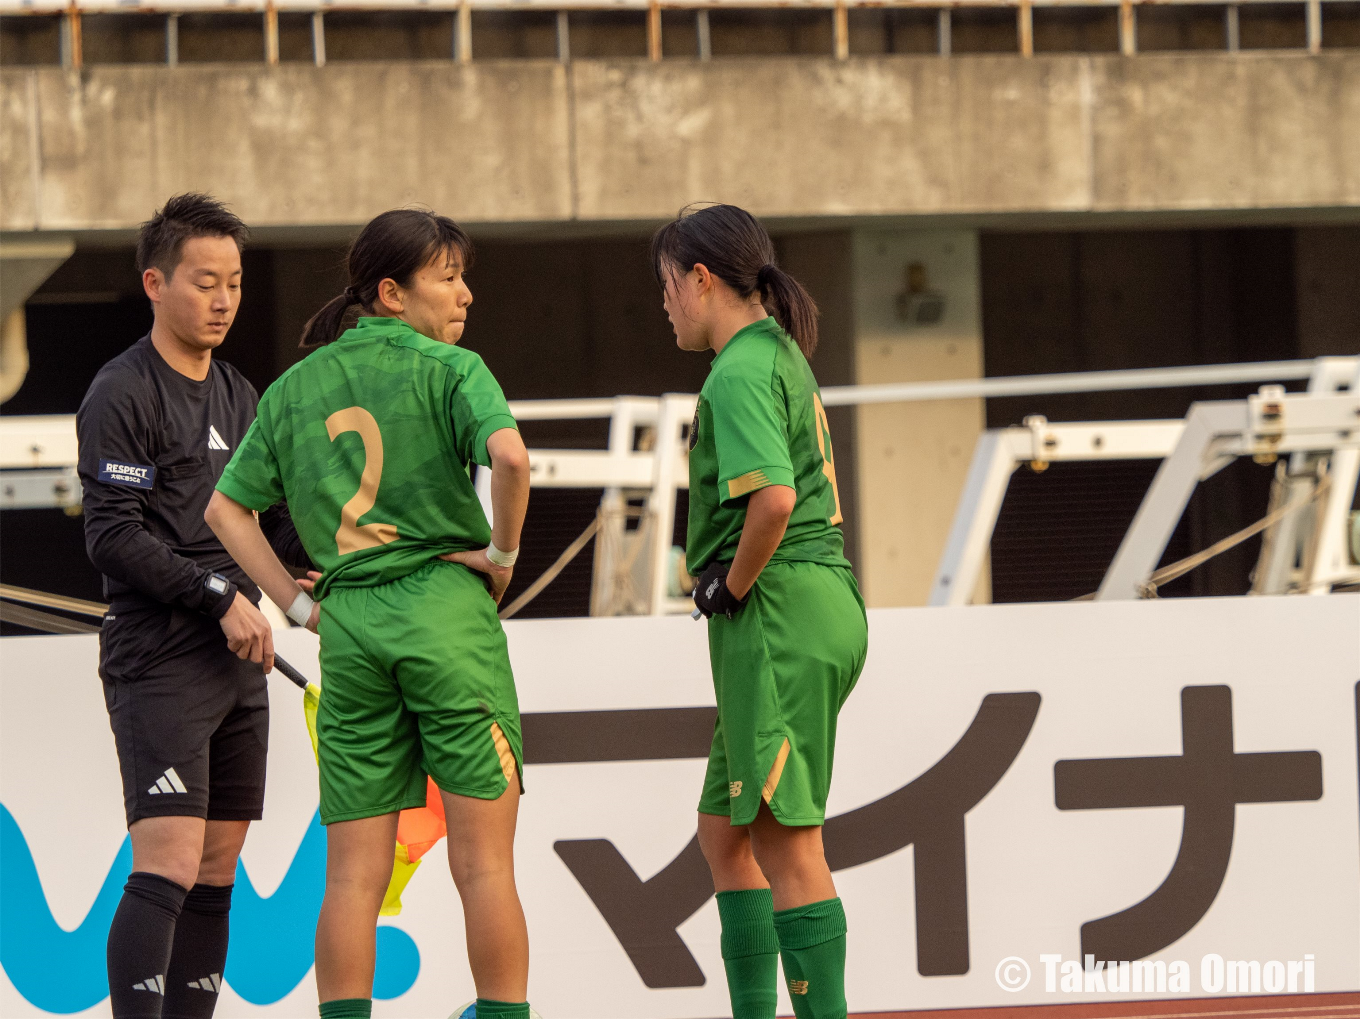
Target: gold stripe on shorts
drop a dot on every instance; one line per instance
(504, 752)
(748, 482)
(776, 772)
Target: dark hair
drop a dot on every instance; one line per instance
(395, 245)
(160, 242)
(734, 247)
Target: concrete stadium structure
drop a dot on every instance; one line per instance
(1077, 210)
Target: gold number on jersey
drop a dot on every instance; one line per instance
(351, 537)
(823, 429)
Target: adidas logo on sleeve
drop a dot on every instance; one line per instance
(156, 985)
(211, 983)
(170, 782)
(215, 440)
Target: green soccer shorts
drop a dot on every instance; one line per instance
(782, 668)
(415, 681)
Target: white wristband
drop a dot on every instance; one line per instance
(501, 559)
(301, 609)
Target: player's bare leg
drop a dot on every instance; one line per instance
(482, 860)
(808, 917)
(793, 861)
(358, 869)
(169, 846)
(750, 948)
(728, 852)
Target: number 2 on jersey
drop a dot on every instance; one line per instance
(351, 537)
(823, 429)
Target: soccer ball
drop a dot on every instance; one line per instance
(469, 1011)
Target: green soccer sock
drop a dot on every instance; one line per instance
(750, 952)
(812, 945)
(488, 1009)
(347, 1008)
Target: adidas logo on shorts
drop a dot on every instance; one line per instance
(156, 985)
(212, 983)
(168, 783)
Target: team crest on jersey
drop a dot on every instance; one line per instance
(694, 430)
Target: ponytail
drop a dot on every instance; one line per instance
(736, 249)
(791, 305)
(324, 326)
(395, 245)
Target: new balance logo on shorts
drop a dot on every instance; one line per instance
(215, 441)
(734, 789)
(212, 982)
(168, 783)
(156, 984)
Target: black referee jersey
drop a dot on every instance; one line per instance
(153, 443)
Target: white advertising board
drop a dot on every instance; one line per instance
(1016, 787)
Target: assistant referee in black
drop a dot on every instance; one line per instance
(184, 650)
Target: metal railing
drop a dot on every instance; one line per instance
(71, 12)
(646, 461)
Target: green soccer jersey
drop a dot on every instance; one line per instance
(760, 422)
(369, 439)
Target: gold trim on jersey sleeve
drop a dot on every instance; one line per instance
(747, 483)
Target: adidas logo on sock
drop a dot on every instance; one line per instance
(168, 783)
(212, 983)
(215, 441)
(156, 985)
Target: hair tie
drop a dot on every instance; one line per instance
(351, 296)
(764, 273)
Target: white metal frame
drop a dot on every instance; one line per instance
(38, 455)
(1268, 424)
(1265, 425)
(999, 452)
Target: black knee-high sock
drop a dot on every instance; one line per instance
(140, 938)
(200, 954)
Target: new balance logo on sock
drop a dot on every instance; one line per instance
(212, 982)
(156, 985)
(168, 783)
(798, 987)
(215, 441)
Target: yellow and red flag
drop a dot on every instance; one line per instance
(418, 829)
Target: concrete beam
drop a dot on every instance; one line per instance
(538, 142)
(287, 145)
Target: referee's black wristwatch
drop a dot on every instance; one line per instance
(218, 594)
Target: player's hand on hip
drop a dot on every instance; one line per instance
(712, 596)
(248, 632)
(497, 577)
(308, 582)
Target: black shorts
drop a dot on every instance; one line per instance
(190, 719)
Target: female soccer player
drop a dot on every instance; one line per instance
(787, 632)
(372, 435)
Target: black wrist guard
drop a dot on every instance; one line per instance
(711, 593)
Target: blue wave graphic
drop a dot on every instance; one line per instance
(271, 948)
